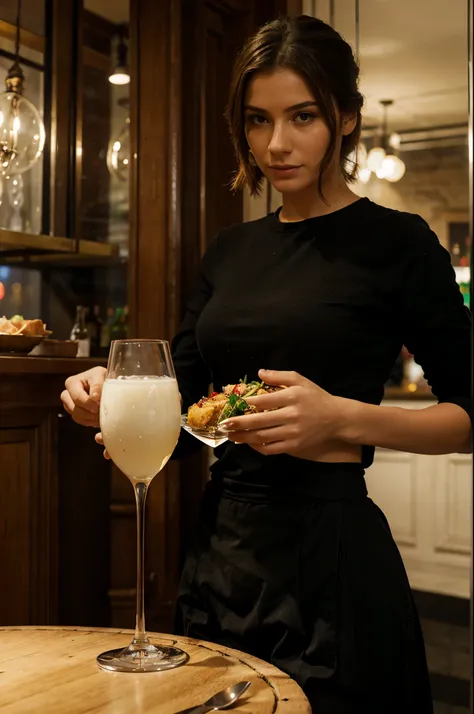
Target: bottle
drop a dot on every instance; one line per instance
(94, 328)
(79, 332)
(105, 337)
(118, 328)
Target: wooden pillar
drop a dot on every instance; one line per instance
(156, 166)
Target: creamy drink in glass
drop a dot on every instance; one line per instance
(140, 420)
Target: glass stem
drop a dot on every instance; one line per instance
(140, 631)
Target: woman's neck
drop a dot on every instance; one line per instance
(309, 204)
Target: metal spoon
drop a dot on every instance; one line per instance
(221, 700)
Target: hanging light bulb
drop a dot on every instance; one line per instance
(393, 168)
(395, 140)
(375, 158)
(22, 134)
(121, 74)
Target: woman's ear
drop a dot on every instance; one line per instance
(349, 122)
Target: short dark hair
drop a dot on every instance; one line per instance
(324, 60)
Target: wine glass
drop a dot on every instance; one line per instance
(140, 416)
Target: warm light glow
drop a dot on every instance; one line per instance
(117, 146)
(394, 141)
(364, 175)
(394, 168)
(119, 77)
(22, 134)
(375, 158)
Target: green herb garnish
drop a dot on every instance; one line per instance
(236, 406)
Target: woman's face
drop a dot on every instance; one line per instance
(285, 131)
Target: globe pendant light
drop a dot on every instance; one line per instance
(384, 165)
(22, 134)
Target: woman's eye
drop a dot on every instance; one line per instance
(256, 119)
(304, 117)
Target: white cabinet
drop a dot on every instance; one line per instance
(427, 501)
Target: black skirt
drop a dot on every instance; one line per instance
(308, 577)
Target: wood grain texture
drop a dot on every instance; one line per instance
(28, 527)
(54, 502)
(53, 670)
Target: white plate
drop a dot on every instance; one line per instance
(210, 435)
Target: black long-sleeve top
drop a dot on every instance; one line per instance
(334, 298)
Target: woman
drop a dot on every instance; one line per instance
(292, 562)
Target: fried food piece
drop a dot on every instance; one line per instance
(18, 326)
(207, 411)
(6, 327)
(230, 402)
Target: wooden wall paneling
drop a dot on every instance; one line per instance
(54, 487)
(28, 522)
(84, 527)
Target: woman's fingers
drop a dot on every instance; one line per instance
(260, 436)
(100, 440)
(261, 420)
(81, 415)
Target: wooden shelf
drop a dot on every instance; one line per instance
(13, 241)
(19, 248)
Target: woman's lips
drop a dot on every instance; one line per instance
(282, 170)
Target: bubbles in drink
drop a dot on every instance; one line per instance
(140, 423)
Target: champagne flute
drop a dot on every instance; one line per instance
(140, 416)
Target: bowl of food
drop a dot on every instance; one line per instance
(204, 418)
(19, 336)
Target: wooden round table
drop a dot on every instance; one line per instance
(52, 670)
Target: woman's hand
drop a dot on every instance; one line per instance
(99, 440)
(305, 418)
(81, 398)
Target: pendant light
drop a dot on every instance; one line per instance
(386, 165)
(22, 134)
(121, 74)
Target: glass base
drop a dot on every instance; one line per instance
(142, 659)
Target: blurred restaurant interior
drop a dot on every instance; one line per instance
(101, 231)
